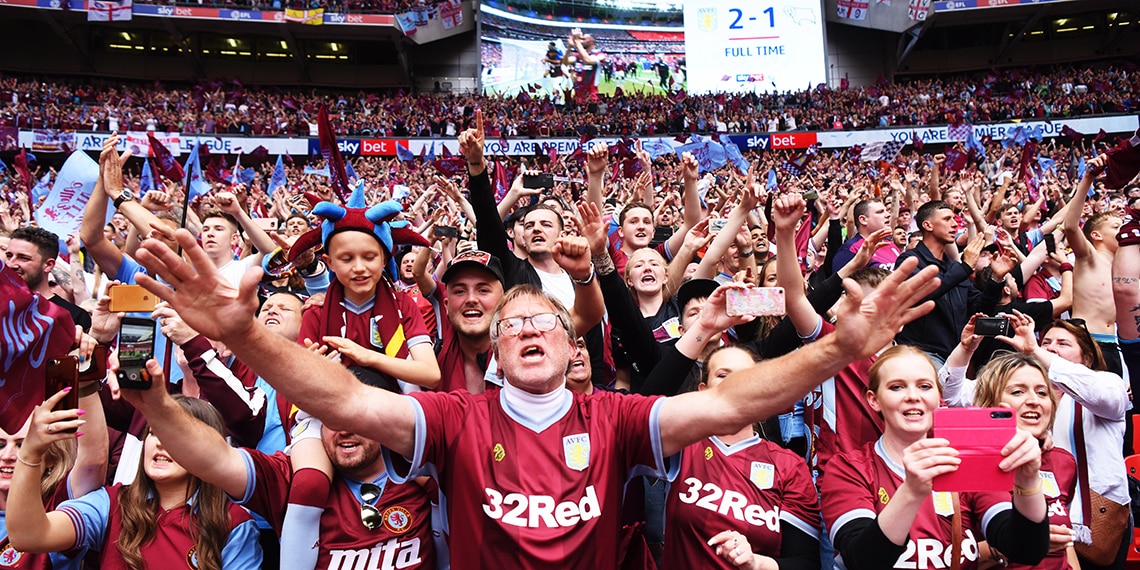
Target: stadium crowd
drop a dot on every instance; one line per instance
(335, 6)
(221, 107)
(468, 363)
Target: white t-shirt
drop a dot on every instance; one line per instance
(233, 270)
(558, 285)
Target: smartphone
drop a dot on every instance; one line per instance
(758, 301)
(811, 195)
(979, 434)
(267, 224)
(131, 299)
(540, 180)
(716, 225)
(446, 231)
(95, 368)
(136, 346)
(62, 373)
(1050, 243)
(993, 326)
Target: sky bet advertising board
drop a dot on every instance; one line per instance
(754, 46)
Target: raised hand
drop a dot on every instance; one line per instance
(597, 159)
(572, 253)
(592, 227)
(471, 141)
(690, 168)
(787, 211)
(204, 298)
(866, 324)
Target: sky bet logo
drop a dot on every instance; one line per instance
(757, 142)
(349, 146)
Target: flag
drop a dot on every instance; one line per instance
(881, 150)
(449, 166)
(959, 132)
(241, 175)
(62, 211)
(43, 187)
(3, 166)
(844, 84)
(798, 165)
(350, 172)
(195, 185)
(313, 17)
(916, 141)
(709, 155)
(318, 171)
(21, 164)
(1070, 132)
(1123, 163)
(656, 147)
(803, 235)
(167, 167)
(403, 153)
(733, 153)
(431, 152)
(1024, 168)
(955, 160)
(772, 184)
(337, 176)
(1045, 164)
(1017, 136)
(1081, 168)
(35, 330)
(146, 179)
(1037, 133)
(278, 178)
(108, 10)
(258, 156)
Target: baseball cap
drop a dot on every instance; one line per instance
(695, 289)
(475, 258)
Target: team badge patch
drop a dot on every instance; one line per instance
(374, 332)
(706, 19)
(943, 503)
(498, 453)
(762, 475)
(398, 520)
(192, 557)
(10, 557)
(576, 449)
(1049, 485)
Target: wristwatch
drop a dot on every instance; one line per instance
(124, 196)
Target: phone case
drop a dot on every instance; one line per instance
(61, 373)
(131, 299)
(979, 434)
(94, 368)
(759, 301)
(136, 346)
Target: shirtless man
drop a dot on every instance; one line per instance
(1094, 247)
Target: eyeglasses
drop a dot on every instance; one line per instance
(542, 322)
(370, 515)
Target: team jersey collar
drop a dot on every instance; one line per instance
(535, 411)
(881, 451)
(354, 485)
(738, 446)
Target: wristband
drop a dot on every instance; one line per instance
(89, 388)
(1066, 267)
(589, 278)
(1027, 492)
(746, 254)
(33, 465)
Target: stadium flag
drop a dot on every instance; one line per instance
(21, 164)
(431, 152)
(1017, 136)
(404, 154)
(1024, 168)
(656, 147)
(959, 132)
(916, 141)
(734, 155)
(955, 160)
(40, 330)
(1072, 133)
(407, 23)
(709, 155)
(772, 184)
(109, 10)
(450, 166)
(1045, 164)
(331, 152)
(42, 187)
(798, 165)
(167, 167)
(975, 146)
(195, 185)
(881, 151)
(1123, 163)
(146, 179)
(62, 211)
(318, 171)
(350, 172)
(1081, 168)
(278, 178)
(314, 17)
(1037, 133)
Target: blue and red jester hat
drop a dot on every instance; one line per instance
(378, 220)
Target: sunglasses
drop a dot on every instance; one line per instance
(370, 515)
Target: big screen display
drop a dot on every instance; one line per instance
(754, 45)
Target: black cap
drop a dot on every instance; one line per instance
(475, 258)
(695, 289)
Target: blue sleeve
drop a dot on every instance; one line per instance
(90, 514)
(318, 283)
(127, 270)
(243, 549)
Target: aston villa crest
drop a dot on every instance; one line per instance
(576, 450)
(762, 475)
(706, 19)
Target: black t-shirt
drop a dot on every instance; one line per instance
(81, 317)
